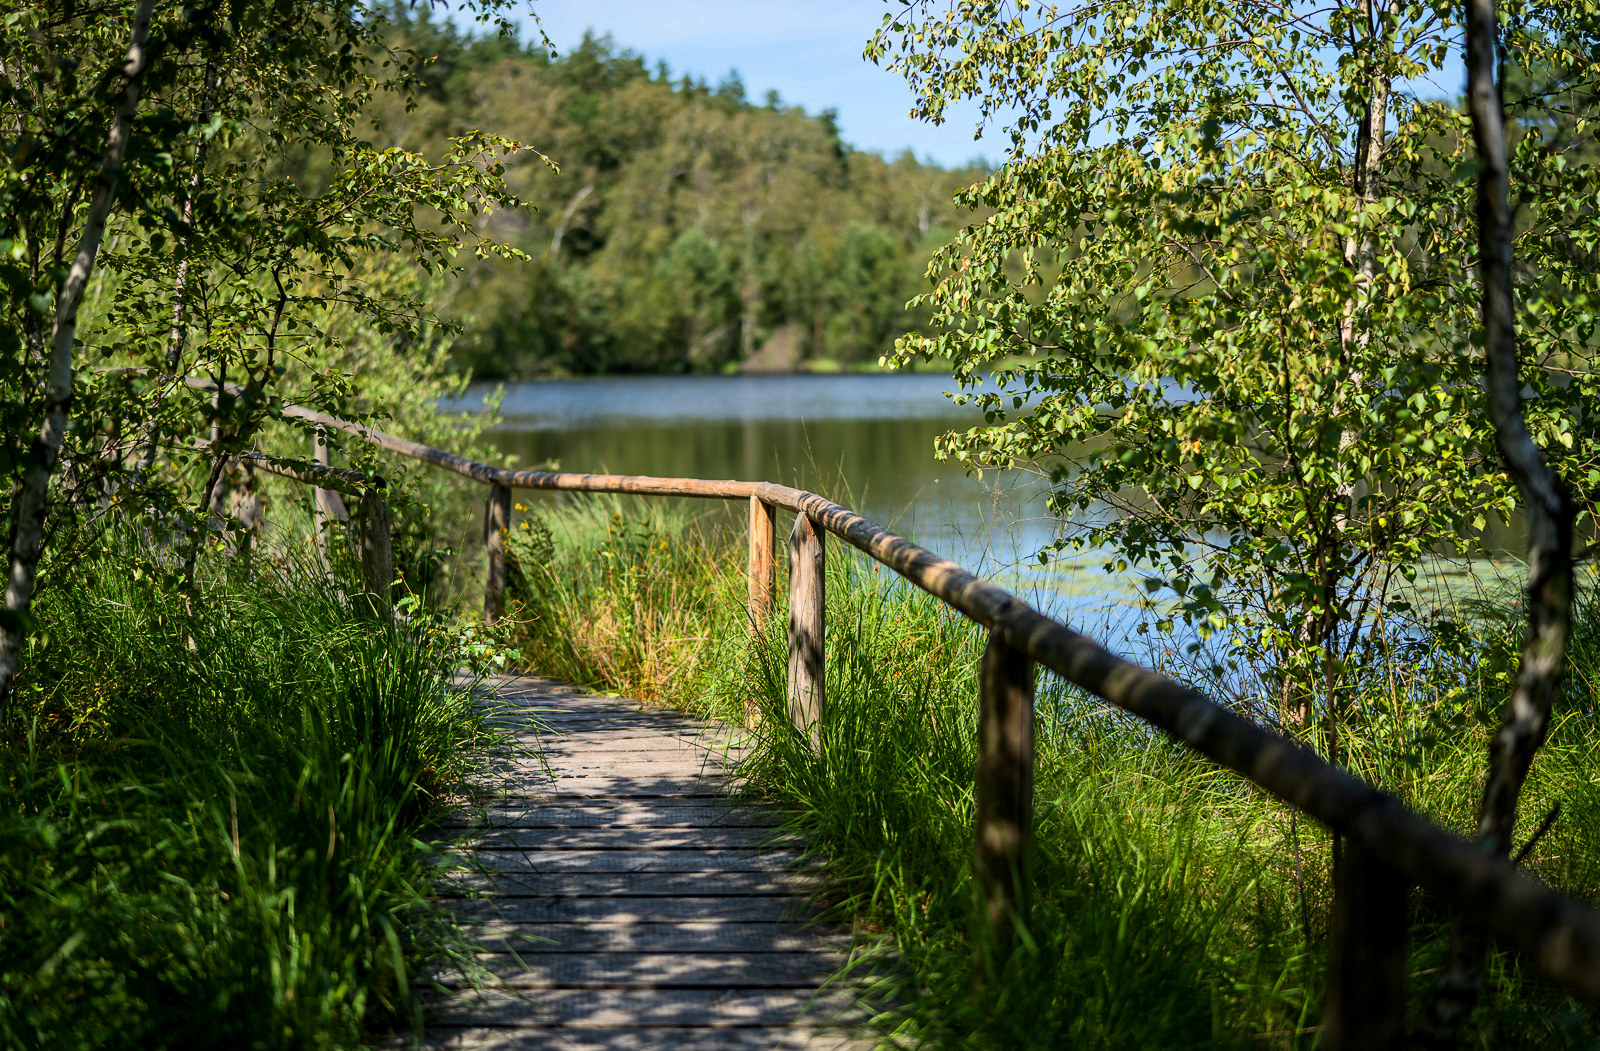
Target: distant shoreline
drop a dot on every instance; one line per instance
(819, 367)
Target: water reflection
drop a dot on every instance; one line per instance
(864, 441)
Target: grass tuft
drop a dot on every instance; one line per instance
(212, 834)
(1174, 906)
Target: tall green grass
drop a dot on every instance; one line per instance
(1175, 905)
(637, 596)
(212, 812)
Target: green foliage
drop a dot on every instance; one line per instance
(210, 831)
(259, 237)
(1238, 329)
(638, 598)
(687, 228)
(1174, 906)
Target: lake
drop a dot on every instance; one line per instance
(865, 441)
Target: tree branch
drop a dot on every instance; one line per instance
(33, 501)
(1549, 510)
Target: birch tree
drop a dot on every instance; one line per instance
(249, 220)
(31, 503)
(1541, 491)
(1229, 295)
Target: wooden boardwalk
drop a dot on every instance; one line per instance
(625, 902)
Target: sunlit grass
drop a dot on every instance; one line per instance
(212, 819)
(1175, 905)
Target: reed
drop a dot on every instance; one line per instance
(1175, 906)
(216, 812)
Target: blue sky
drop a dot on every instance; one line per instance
(808, 50)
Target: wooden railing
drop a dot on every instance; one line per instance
(1389, 848)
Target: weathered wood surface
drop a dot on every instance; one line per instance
(329, 506)
(496, 523)
(622, 899)
(375, 548)
(1003, 792)
(1368, 962)
(807, 620)
(762, 593)
(751, 1038)
(1557, 935)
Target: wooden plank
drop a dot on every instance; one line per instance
(557, 724)
(542, 718)
(598, 861)
(684, 936)
(729, 804)
(778, 906)
(597, 708)
(519, 732)
(619, 763)
(633, 885)
(543, 788)
(653, 745)
(625, 738)
(678, 1038)
(666, 813)
(608, 1008)
(616, 764)
(636, 838)
(604, 745)
(671, 783)
(668, 970)
(676, 775)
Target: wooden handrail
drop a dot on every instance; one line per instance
(351, 483)
(1559, 936)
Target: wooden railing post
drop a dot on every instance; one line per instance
(806, 661)
(1367, 961)
(496, 523)
(763, 594)
(375, 546)
(329, 508)
(763, 581)
(1003, 793)
(245, 507)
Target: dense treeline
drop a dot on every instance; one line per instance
(218, 769)
(687, 228)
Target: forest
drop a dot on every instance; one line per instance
(686, 227)
(1286, 306)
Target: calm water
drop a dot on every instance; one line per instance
(864, 441)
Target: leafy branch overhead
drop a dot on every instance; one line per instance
(257, 231)
(1228, 286)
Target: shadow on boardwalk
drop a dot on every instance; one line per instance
(623, 900)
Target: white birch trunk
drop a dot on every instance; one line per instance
(1549, 510)
(33, 499)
